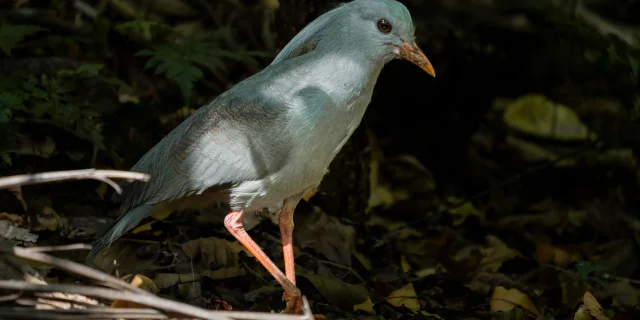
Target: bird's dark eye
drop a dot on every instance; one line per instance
(384, 26)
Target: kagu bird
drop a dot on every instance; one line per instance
(268, 141)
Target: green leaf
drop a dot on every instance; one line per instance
(88, 69)
(635, 64)
(6, 158)
(10, 36)
(145, 27)
(8, 103)
(183, 62)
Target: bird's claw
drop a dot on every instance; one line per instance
(294, 301)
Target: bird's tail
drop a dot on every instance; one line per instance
(123, 224)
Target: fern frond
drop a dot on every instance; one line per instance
(11, 35)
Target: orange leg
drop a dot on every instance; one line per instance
(233, 223)
(285, 221)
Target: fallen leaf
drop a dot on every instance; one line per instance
(212, 251)
(461, 213)
(270, 4)
(533, 152)
(28, 146)
(548, 254)
(143, 227)
(261, 292)
(122, 257)
(13, 218)
(11, 232)
(138, 281)
(101, 190)
(327, 235)
(406, 267)
(582, 314)
(48, 219)
(187, 283)
(224, 273)
(380, 194)
(425, 272)
(427, 314)
(624, 294)
(534, 114)
(592, 306)
(405, 296)
(495, 254)
(405, 230)
(165, 280)
(366, 263)
(338, 293)
(366, 306)
(503, 300)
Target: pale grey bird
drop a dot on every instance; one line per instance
(268, 141)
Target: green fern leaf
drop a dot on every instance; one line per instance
(183, 62)
(144, 27)
(10, 36)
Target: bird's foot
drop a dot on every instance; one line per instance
(294, 301)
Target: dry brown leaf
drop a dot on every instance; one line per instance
(366, 263)
(13, 218)
(548, 254)
(624, 294)
(495, 254)
(366, 306)
(592, 306)
(20, 3)
(405, 296)
(10, 232)
(138, 281)
(503, 300)
(271, 4)
(186, 282)
(48, 219)
(427, 314)
(224, 273)
(143, 227)
(582, 314)
(461, 213)
(338, 293)
(122, 257)
(327, 235)
(213, 252)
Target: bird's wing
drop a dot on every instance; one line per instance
(233, 139)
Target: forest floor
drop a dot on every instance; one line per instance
(508, 192)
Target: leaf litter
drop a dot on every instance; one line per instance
(544, 246)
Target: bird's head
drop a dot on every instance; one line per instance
(380, 30)
(385, 29)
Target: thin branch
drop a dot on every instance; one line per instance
(45, 177)
(72, 267)
(153, 301)
(92, 313)
(69, 247)
(111, 294)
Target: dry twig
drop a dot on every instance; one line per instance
(101, 175)
(120, 290)
(73, 268)
(170, 306)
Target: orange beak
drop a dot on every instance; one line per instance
(411, 52)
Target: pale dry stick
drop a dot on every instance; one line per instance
(54, 176)
(70, 314)
(68, 247)
(153, 301)
(72, 267)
